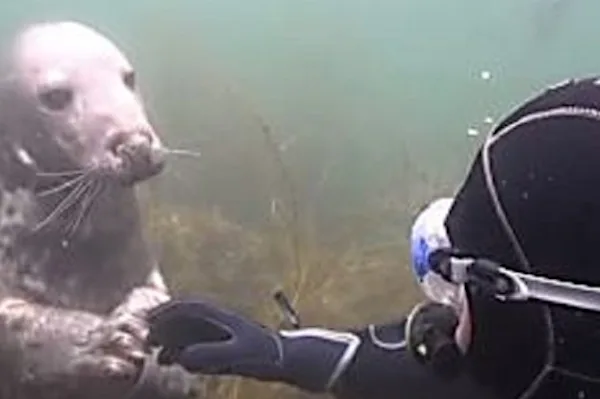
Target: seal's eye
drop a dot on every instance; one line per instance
(129, 79)
(56, 99)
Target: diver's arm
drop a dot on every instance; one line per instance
(365, 363)
(369, 363)
(377, 361)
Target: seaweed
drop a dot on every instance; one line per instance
(336, 283)
(255, 216)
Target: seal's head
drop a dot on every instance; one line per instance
(86, 102)
(74, 141)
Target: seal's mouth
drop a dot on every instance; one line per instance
(135, 158)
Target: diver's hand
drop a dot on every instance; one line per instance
(204, 338)
(431, 329)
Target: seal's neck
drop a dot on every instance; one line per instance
(106, 253)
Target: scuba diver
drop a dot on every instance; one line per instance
(509, 266)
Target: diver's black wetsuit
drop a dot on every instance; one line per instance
(372, 363)
(534, 206)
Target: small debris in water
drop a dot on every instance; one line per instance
(472, 132)
(488, 120)
(283, 147)
(275, 207)
(486, 75)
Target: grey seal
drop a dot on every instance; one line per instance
(76, 274)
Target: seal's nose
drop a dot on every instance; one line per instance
(116, 143)
(127, 141)
(140, 153)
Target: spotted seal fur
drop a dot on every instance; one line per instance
(76, 275)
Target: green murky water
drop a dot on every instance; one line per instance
(369, 96)
(323, 126)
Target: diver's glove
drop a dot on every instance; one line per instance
(204, 338)
(430, 330)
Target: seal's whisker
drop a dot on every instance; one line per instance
(62, 186)
(86, 190)
(93, 191)
(69, 200)
(64, 173)
(176, 151)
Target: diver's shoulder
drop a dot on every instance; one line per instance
(574, 96)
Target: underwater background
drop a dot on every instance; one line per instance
(323, 127)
